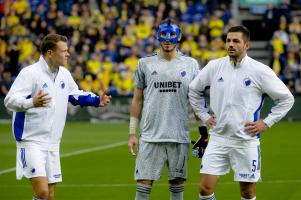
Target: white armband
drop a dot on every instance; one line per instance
(133, 125)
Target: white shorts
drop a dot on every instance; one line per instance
(244, 160)
(152, 157)
(34, 162)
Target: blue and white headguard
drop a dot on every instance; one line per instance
(168, 29)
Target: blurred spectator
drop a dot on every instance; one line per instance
(293, 62)
(277, 63)
(108, 37)
(143, 30)
(284, 9)
(216, 25)
(94, 63)
(5, 83)
(270, 20)
(20, 6)
(13, 55)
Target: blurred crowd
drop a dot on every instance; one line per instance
(106, 38)
(284, 33)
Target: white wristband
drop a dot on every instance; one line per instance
(133, 125)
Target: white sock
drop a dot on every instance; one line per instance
(176, 192)
(210, 197)
(143, 191)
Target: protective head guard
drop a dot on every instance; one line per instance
(169, 32)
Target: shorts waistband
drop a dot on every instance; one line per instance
(234, 142)
(46, 147)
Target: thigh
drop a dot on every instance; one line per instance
(53, 167)
(246, 164)
(215, 160)
(31, 162)
(150, 161)
(177, 159)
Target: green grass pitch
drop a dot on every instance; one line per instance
(96, 165)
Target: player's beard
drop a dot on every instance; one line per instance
(171, 47)
(233, 54)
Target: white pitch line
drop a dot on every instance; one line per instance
(5, 171)
(157, 184)
(74, 153)
(98, 148)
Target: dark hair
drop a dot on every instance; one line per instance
(170, 21)
(49, 42)
(242, 29)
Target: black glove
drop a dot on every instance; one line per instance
(200, 145)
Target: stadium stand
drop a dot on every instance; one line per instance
(108, 37)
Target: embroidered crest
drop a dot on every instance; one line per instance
(247, 82)
(183, 73)
(62, 84)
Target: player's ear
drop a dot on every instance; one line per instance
(247, 45)
(49, 52)
(180, 37)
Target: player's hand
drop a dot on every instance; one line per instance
(105, 99)
(253, 128)
(211, 121)
(42, 99)
(200, 145)
(132, 144)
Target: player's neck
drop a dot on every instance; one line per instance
(237, 60)
(169, 55)
(52, 66)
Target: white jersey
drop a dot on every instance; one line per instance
(237, 94)
(165, 103)
(43, 126)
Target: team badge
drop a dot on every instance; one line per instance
(62, 84)
(44, 86)
(183, 73)
(247, 82)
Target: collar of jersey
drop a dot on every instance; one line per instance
(46, 67)
(238, 65)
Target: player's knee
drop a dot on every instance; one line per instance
(51, 189)
(248, 190)
(248, 194)
(51, 195)
(42, 193)
(146, 182)
(205, 189)
(177, 181)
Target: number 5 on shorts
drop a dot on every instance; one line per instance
(254, 165)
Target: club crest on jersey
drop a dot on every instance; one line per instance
(44, 86)
(182, 73)
(62, 84)
(247, 82)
